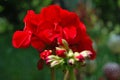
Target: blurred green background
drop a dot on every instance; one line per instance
(102, 19)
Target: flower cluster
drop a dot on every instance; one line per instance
(57, 34)
(64, 56)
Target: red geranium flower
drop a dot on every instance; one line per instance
(49, 25)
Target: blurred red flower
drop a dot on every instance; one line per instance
(49, 25)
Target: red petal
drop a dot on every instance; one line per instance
(30, 13)
(37, 44)
(46, 32)
(70, 32)
(68, 18)
(21, 39)
(51, 13)
(31, 21)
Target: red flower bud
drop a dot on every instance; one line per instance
(80, 58)
(61, 53)
(40, 64)
(45, 54)
(92, 55)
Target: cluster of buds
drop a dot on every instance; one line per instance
(64, 56)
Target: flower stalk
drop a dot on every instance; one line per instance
(66, 75)
(69, 74)
(53, 74)
(72, 74)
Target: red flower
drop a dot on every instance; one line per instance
(49, 25)
(45, 54)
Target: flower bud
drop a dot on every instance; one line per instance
(40, 64)
(80, 58)
(56, 62)
(60, 52)
(76, 54)
(63, 43)
(86, 54)
(45, 54)
(50, 58)
(53, 57)
(90, 55)
(71, 61)
(70, 53)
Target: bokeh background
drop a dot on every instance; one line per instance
(102, 20)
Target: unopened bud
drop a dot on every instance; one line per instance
(63, 43)
(40, 64)
(86, 54)
(70, 53)
(80, 58)
(56, 62)
(61, 52)
(71, 61)
(45, 54)
(53, 57)
(76, 54)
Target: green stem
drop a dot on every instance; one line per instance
(52, 74)
(72, 74)
(66, 75)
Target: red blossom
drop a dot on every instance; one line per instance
(45, 54)
(48, 26)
